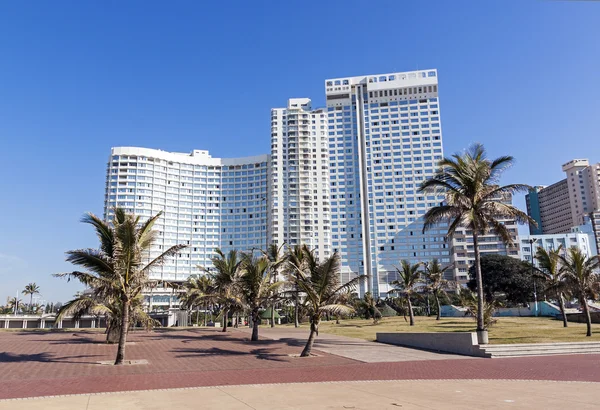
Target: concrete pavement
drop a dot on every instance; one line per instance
(351, 348)
(405, 394)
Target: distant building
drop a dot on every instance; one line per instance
(580, 240)
(550, 208)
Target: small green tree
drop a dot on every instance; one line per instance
(549, 264)
(31, 289)
(225, 276)
(582, 279)
(321, 284)
(199, 291)
(117, 271)
(409, 277)
(255, 288)
(435, 282)
(506, 276)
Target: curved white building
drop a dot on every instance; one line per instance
(207, 202)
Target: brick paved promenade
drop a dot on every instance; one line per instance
(45, 363)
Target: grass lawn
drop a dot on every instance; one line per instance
(506, 329)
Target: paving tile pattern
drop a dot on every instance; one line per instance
(43, 364)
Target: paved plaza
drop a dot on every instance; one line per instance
(35, 364)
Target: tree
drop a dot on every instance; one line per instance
(296, 261)
(470, 184)
(321, 284)
(549, 264)
(255, 287)
(31, 289)
(225, 277)
(368, 307)
(109, 306)
(581, 278)
(276, 261)
(468, 300)
(409, 277)
(117, 271)
(503, 275)
(436, 284)
(14, 303)
(199, 291)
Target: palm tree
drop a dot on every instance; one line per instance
(368, 305)
(255, 287)
(297, 260)
(583, 281)
(117, 270)
(436, 284)
(199, 291)
(549, 263)
(276, 261)
(321, 283)
(225, 277)
(14, 303)
(31, 289)
(410, 276)
(470, 184)
(109, 307)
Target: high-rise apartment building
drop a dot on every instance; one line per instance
(299, 189)
(207, 203)
(550, 207)
(385, 138)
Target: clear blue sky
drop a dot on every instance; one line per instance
(78, 77)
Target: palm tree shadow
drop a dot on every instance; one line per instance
(43, 357)
(262, 354)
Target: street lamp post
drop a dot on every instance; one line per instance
(531, 242)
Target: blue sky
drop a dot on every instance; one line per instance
(79, 77)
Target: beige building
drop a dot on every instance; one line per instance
(567, 203)
(462, 250)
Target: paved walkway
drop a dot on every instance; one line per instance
(37, 364)
(351, 348)
(431, 394)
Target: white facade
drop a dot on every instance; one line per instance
(207, 203)
(299, 191)
(385, 138)
(552, 242)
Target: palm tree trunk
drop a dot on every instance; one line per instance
(31, 302)
(225, 317)
(562, 309)
(439, 308)
(255, 320)
(410, 311)
(314, 331)
(586, 312)
(273, 315)
(205, 311)
(296, 309)
(479, 281)
(123, 336)
(198, 315)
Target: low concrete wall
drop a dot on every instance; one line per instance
(580, 317)
(450, 342)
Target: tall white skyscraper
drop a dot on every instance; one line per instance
(299, 191)
(385, 138)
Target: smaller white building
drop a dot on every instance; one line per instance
(553, 241)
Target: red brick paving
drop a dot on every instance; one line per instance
(47, 363)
